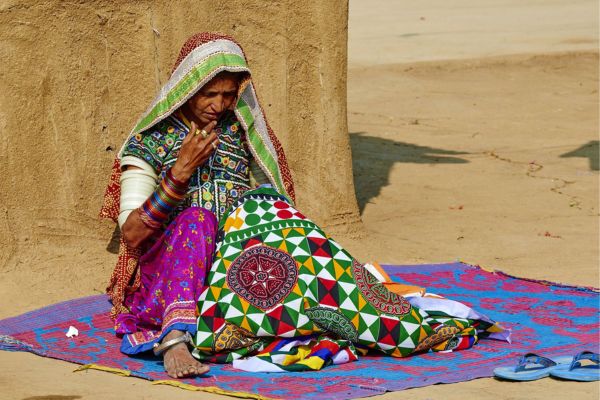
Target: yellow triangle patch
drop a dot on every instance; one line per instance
(361, 303)
(396, 353)
(297, 290)
(416, 315)
(309, 265)
(216, 292)
(283, 246)
(245, 324)
(339, 271)
(245, 306)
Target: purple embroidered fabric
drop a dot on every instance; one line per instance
(172, 277)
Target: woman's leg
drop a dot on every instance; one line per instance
(172, 277)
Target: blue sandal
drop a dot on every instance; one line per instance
(578, 372)
(531, 367)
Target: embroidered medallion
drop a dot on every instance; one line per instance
(332, 321)
(377, 294)
(232, 337)
(441, 334)
(263, 276)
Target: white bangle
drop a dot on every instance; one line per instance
(136, 186)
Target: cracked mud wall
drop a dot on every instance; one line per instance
(75, 75)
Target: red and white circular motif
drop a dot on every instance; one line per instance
(263, 276)
(377, 294)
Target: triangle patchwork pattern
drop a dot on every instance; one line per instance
(320, 276)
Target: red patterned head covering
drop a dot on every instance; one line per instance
(198, 40)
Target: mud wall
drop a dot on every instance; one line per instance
(75, 75)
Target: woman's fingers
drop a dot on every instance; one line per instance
(209, 144)
(198, 147)
(190, 134)
(205, 133)
(211, 138)
(202, 142)
(207, 130)
(210, 126)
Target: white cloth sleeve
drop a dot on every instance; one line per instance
(136, 186)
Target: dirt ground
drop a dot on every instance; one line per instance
(474, 132)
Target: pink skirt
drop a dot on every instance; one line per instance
(172, 277)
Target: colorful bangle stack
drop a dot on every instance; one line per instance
(169, 193)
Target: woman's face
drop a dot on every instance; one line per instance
(213, 99)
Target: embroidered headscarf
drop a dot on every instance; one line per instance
(202, 57)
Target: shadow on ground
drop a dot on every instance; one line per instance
(115, 241)
(373, 158)
(588, 150)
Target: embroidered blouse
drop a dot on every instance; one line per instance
(216, 184)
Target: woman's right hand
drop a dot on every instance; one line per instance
(194, 151)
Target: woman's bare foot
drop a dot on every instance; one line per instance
(178, 360)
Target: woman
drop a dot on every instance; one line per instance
(197, 148)
(277, 282)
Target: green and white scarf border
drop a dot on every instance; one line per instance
(199, 67)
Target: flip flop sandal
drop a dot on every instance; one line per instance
(578, 372)
(531, 367)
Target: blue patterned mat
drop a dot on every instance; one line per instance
(545, 318)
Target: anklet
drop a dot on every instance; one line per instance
(158, 349)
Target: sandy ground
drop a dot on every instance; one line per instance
(474, 131)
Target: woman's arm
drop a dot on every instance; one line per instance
(194, 152)
(134, 231)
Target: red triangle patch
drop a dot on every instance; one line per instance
(283, 328)
(387, 339)
(317, 240)
(328, 301)
(328, 283)
(321, 253)
(211, 311)
(251, 242)
(389, 323)
(276, 312)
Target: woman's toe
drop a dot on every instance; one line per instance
(202, 369)
(172, 373)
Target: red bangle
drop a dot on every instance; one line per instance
(149, 222)
(167, 196)
(177, 182)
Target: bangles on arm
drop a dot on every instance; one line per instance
(140, 193)
(168, 195)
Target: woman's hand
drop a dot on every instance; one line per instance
(134, 231)
(194, 151)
